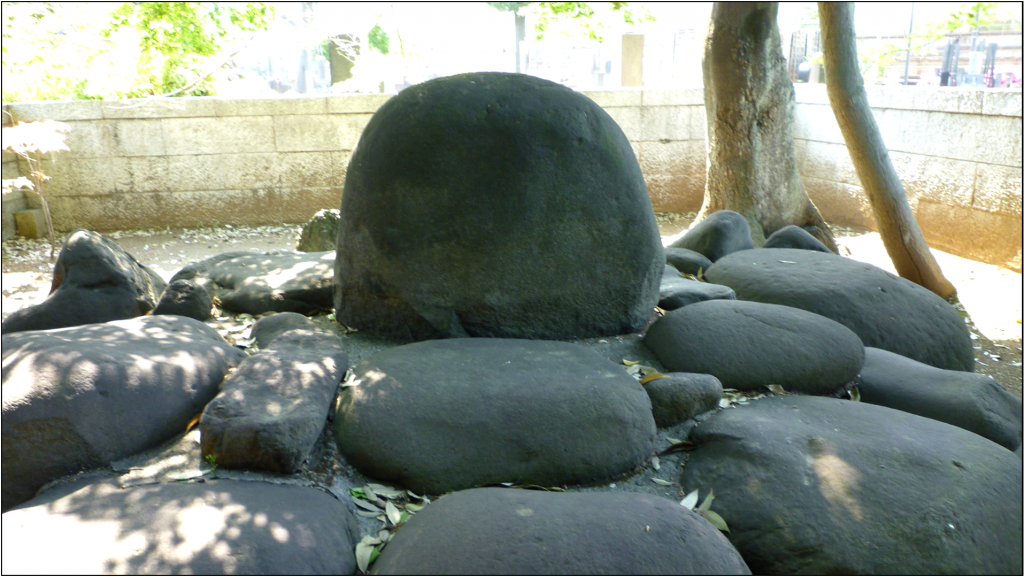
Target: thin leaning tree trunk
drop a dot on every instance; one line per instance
(895, 220)
(749, 100)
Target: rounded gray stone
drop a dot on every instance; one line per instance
(257, 282)
(749, 345)
(187, 299)
(495, 205)
(81, 397)
(821, 486)
(687, 261)
(721, 233)
(521, 532)
(271, 326)
(793, 236)
(218, 527)
(886, 311)
(967, 400)
(440, 416)
(94, 281)
(681, 396)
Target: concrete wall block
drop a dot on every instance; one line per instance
(63, 110)
(679, 157)
(628, 119)
(80, 176)
(306, 170)
(675, 174)
(1008, 151)
(676, 193)
(161, 108)
(998, 189)
(10, 168)
(348, 129)
(975, 234)
(1002, 103)
(690, 97)
(285, 105)
(12, 202)
(935, 179)
(621, 97)
(816, 122)
(137, 137)
(339, 163)
(698, 123)
(665, 123)
(192, 208)
(142, 174)
(356, 103)
(827, 161)
(841, 204)
(231, 134)
(251, 170)
(90, 139)
(295, 133)
(199, 172)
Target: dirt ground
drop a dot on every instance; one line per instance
(989, 297)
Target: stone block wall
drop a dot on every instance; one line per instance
(666, 129)
(198, 161)
(12, 201)
(956, 150)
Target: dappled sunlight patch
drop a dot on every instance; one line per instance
(837, 479)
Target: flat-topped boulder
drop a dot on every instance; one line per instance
(440, 416)
(748, 345)
(968, 400)
(258, 282)
(677, 291)
(520, 532)
(271, 410)
(218, 527)
(495, 205)
(94, 281)
(886, 311)
(81, 397)
(274, 325)
(686, 260)
(821, 486)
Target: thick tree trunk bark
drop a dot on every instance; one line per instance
(893, 216)
(749, 100)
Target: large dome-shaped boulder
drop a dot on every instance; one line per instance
(495, 205)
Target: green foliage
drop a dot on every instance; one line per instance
(117, 50)
(970, 16)
(378, 40)
(575, 19)
(177, 38)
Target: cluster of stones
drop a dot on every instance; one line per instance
(486, 220)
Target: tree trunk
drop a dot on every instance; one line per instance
(896, 223)
(749, 99)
